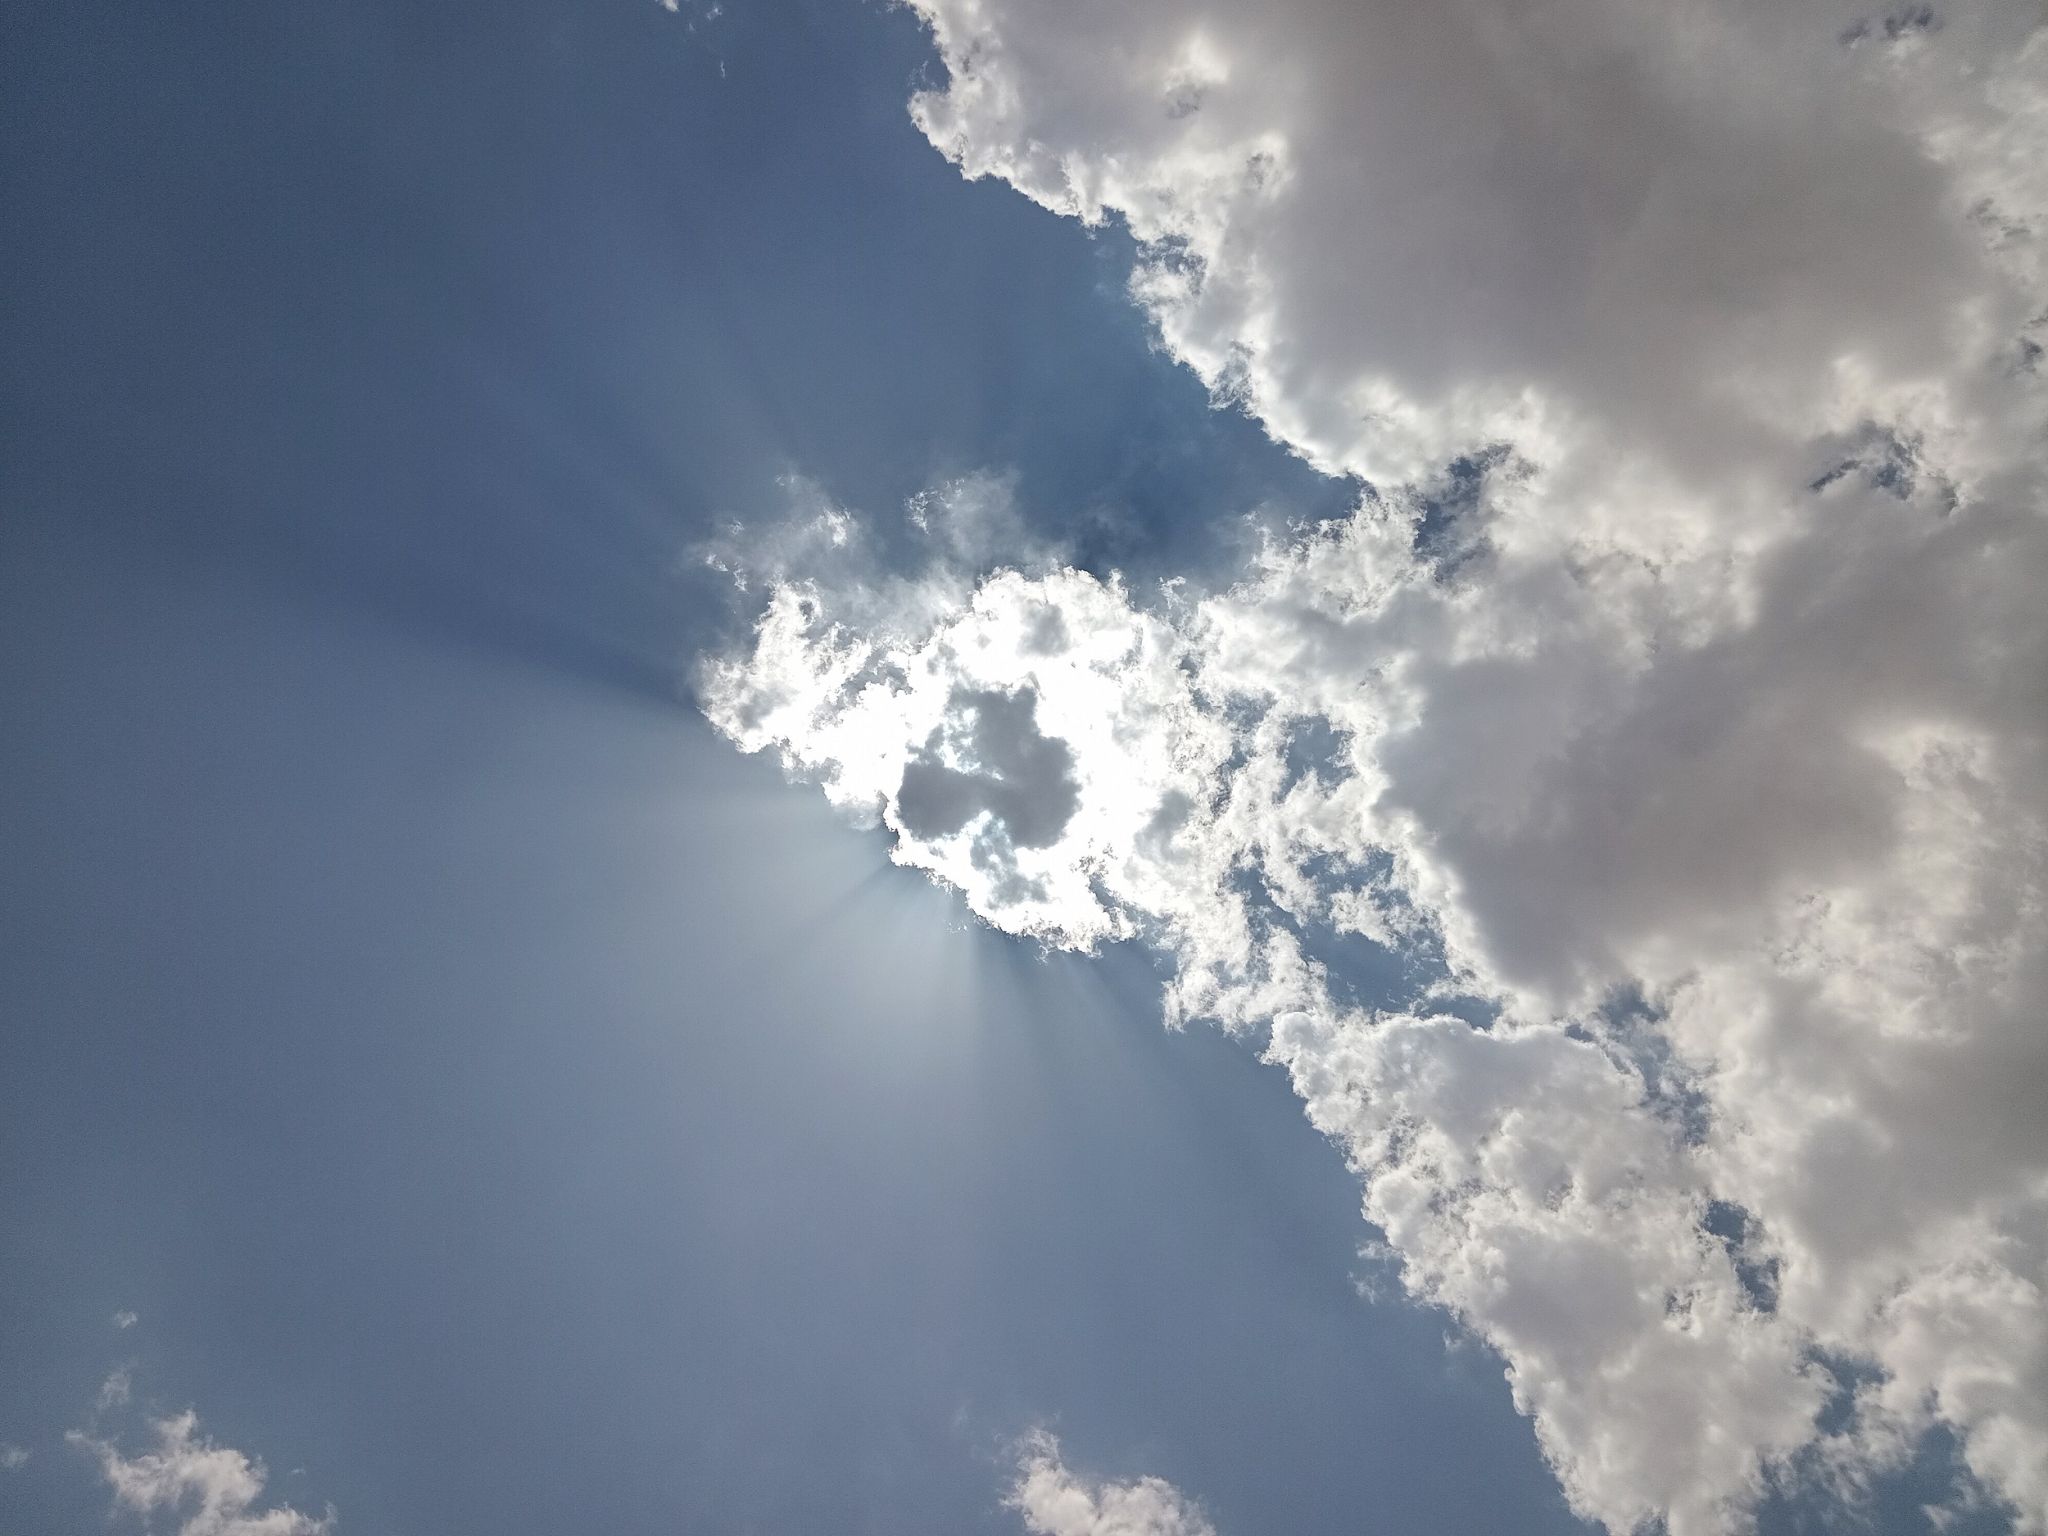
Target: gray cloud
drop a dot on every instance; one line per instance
(1005, 769)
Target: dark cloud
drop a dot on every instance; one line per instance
(1009, 770)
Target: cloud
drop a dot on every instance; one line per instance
(998, 765)
(13, 1456)
(116, 1390)
(1398, 234)
(126, 1319)
(1057, 1502)
(1678, 680)
(211, 1489)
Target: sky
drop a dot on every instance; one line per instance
(1159, 770)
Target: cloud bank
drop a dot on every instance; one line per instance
(1670, 716)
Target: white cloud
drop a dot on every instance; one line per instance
(125, 1319)
(1057, 1502)
(1680, 683)
(1398, 234)
(13, 1456)
(210, 1489)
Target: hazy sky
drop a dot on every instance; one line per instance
(1436, 608)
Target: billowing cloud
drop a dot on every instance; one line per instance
(209, 1489)
(1674, 703)
(1057, 1502)
(1676, 231)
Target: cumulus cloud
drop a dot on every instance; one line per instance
(1396, 232)
(13, 1456)
(209, 1489)
(1676, 696)
(1057, 1502)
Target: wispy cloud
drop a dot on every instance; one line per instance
(211, 1489)
(116, 1390)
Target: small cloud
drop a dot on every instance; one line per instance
(1057, 1502)
(125, 1319)
(116, 1390)
(215, 1490)
(1007, 769)
(12, 1456)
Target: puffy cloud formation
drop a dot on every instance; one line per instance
(1057, 1502)
(211, 1490)
(1674, 704)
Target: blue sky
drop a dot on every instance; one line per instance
(504, 1107)
(481, 1143)
(492, 1094)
